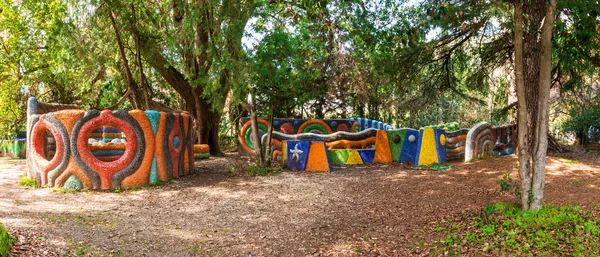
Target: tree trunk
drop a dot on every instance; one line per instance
(131, 86)
(535, 11)
(541, 148)
(138, 57)
(533, 67)
(268, 141)
(523, 147)
(255, 134)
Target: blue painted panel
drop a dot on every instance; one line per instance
(441, 150)
(409, 149)
(367, 155)
(297, 154)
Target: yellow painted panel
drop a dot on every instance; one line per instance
(427, 153)
(354, 158)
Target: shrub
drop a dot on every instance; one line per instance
(6, 241)
(26, 181)
(506, 230)
(584, 123)
(253, 169)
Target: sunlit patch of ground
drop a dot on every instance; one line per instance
(354, 211)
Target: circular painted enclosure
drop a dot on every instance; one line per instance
(106, 149)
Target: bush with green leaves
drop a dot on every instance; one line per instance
(506, 230)
(26, 181)
(584, 123)
(6, 241)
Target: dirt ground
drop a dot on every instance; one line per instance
(375, 210)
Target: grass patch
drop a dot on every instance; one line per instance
(565, 160)
(253, 169)
(62, 190)
(26, 181)
(506, 230)
(436, 167)
(85, 250)
(483, 157)
(6, 241)
(202, 248)
(160, 183)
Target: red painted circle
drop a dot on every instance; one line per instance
(287, 128)
(106, 118)
(38, 135)
(342, 127)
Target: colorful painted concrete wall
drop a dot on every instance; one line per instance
(338, 140)
(424, 147)
(301, 126)
(363, 141)
(13, 148)
(307, 155)
(293, 126)
(451, 126)
(455, 144)
(485, 140)
(201, 151)
(369, 123)
(145, 147)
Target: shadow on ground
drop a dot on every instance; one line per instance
(361, 210)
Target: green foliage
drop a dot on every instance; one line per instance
(408, 64)
(6, 241)
(506, 230)
(26, 181)
(506, 185)
(253, 169)
(63, 190)
(584, 122)
(436, 166)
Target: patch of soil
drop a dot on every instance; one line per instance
(370, 210)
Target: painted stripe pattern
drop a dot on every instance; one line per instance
(157, 146)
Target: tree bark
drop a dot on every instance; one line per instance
(534, 10)
(138, 57)
(523, 147)
(267, 154)
(255, 134)
(541, 148)
(128, 75)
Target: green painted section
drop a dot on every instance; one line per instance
(249, 134)
(201, 155)
(73, 183)
(396, 148)
(338, 156)
(318, 127)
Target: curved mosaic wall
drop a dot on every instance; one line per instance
(451, 126)
(372, 141)
(338, 140)
(293, 126)
(455, 144)
(369, 123)
(301, 126)
(13, 148)
(139, 147)
(485, 140)
(317, 152)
